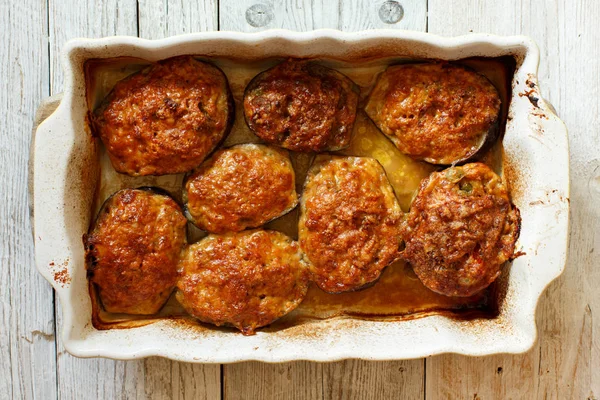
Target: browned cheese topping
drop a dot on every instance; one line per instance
(350, 222)
(165, 119)
(242, 187)
(460, 230)
(246, 280)
(302, 106)
(133, 249)
(440, 113)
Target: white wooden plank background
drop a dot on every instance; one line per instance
(565, 363)
(27, 340)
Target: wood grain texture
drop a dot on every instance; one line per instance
(27, 348)
(306, 380)
(163, 18)
(258, 15)
(358, 15)
(153, 377)
(164, 378)
(354, 15)
(371, 380)
(564, 363)
(78, 378)
(287, 381)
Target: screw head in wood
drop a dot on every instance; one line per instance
(391, 12)
(259, 15)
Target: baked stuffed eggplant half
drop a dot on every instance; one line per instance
(246, 280)
(244, 186)
(350, 222)
(461, 229)
(166, 118)
(133, 248)
(302, 106)
(436, 112)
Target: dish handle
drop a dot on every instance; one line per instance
(44, 110)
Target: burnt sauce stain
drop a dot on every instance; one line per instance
(530, 94)
(398, 294)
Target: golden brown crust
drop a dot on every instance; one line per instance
(242, 187)
(440, 113)
(133, 249)
(302, 106)
(246, 279)
(350, 222)
(166, 118)
(460, 230)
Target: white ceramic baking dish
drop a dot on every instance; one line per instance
(64, 177)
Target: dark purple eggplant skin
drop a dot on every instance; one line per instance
(491, 137)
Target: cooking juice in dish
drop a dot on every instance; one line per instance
(398, 294)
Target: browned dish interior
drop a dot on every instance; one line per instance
(398, 294)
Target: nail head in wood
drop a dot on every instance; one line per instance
(391, 12)
(259, 15)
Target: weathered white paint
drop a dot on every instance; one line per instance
(156, 378)
(563, 365)
(27, 345)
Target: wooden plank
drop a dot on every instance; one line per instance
(162, 18)
(306, 380)
(368, 380)
(164, 378)
(254, 380)
(354, 15)
(258, 15)
(358, 15)
(154, 377)
(27, 347)
(564, 362)
(82, 378)
(86, 18)
(569, 335)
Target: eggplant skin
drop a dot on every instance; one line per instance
(440, 113)
(302, 106)
(246, 280)
(133, 248)
(166, 118)
(460, 230)
(244, 186)
(350, 222)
